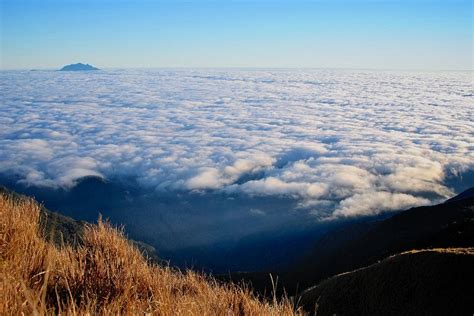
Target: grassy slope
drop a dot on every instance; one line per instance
(64, 230)
(103, 274)
(424, 282)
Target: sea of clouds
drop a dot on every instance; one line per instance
(352, 142)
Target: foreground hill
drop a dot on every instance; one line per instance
(425, 282)
(103, 274)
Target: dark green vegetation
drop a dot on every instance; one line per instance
(426, 282)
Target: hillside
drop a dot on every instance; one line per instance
(61, 229)
(425, 282)
(53, 263)
(449, 224)
(357, 245)
(103, 274)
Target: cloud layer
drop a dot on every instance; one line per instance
(343, 142)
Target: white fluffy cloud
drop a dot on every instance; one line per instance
(358, 141)
(372, 203)
(212, 178)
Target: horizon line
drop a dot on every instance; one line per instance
(247, 67)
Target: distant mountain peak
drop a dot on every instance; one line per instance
(78, 67)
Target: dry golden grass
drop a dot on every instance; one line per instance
(105, 275)
(459, 251)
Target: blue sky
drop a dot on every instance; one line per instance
(417, 34)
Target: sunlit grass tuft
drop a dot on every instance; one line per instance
(106, 274)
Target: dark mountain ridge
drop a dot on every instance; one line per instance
(357, 245)
(425, 282)
(444, 225)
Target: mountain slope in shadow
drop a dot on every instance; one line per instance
(357, 245)
(449, 224)
(426, 282)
